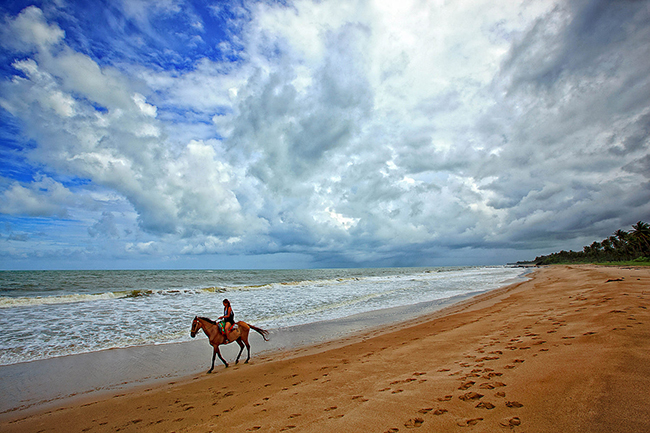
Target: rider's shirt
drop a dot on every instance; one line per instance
(228, 315)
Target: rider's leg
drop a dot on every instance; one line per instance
(226, 328)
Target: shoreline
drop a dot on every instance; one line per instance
(37, 385)
(567, 349)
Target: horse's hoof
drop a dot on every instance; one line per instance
(209, 371)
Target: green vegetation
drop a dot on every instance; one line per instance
(622, 248)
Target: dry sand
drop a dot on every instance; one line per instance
(567, 351)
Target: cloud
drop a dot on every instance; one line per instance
(573, 116)
(352, 132)
(30, 30)
(104, 227)
(42, 198)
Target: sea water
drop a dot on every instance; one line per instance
(46, 314)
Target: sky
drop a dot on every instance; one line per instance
(147, 134)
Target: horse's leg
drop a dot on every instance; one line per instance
(244, 338)
(214, 354)
(216, 350)
(248, 350)
(241, 349)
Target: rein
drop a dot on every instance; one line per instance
(204, 324)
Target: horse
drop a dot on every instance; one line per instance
(216, 338)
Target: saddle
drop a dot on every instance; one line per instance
(221, 326)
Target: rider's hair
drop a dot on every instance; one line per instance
(227, 302)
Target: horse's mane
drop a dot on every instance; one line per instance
(208, 320)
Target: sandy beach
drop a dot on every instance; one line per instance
(568, 350)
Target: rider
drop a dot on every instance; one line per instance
(228, 316)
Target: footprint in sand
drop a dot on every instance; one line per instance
(295, 415)
(469, 422)
(415, 422)
(466, 385)
(445, 398)
(255, 427)
(440, 411)
(397, 391)
(289, 427)
(500, 394)
(392, 430)
(511, 423)
(514, 404)
(485, 405)
(330, 408)
(471, 396)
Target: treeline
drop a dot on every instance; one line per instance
(622, 246)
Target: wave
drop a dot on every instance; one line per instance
(28, 301)
(32, 301)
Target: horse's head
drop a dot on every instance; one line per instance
(196, 325)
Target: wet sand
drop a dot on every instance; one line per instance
(34, 386)
(567, 351)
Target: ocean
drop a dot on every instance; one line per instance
(49, 314)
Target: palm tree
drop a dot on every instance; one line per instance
(623, 243)
(607, 248)
(641, 235)
(596, 249)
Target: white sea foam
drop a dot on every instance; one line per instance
(9, 302)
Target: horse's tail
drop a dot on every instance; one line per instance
(263, 332)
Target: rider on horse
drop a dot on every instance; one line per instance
(228, 318)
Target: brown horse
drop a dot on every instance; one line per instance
(239, 334)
